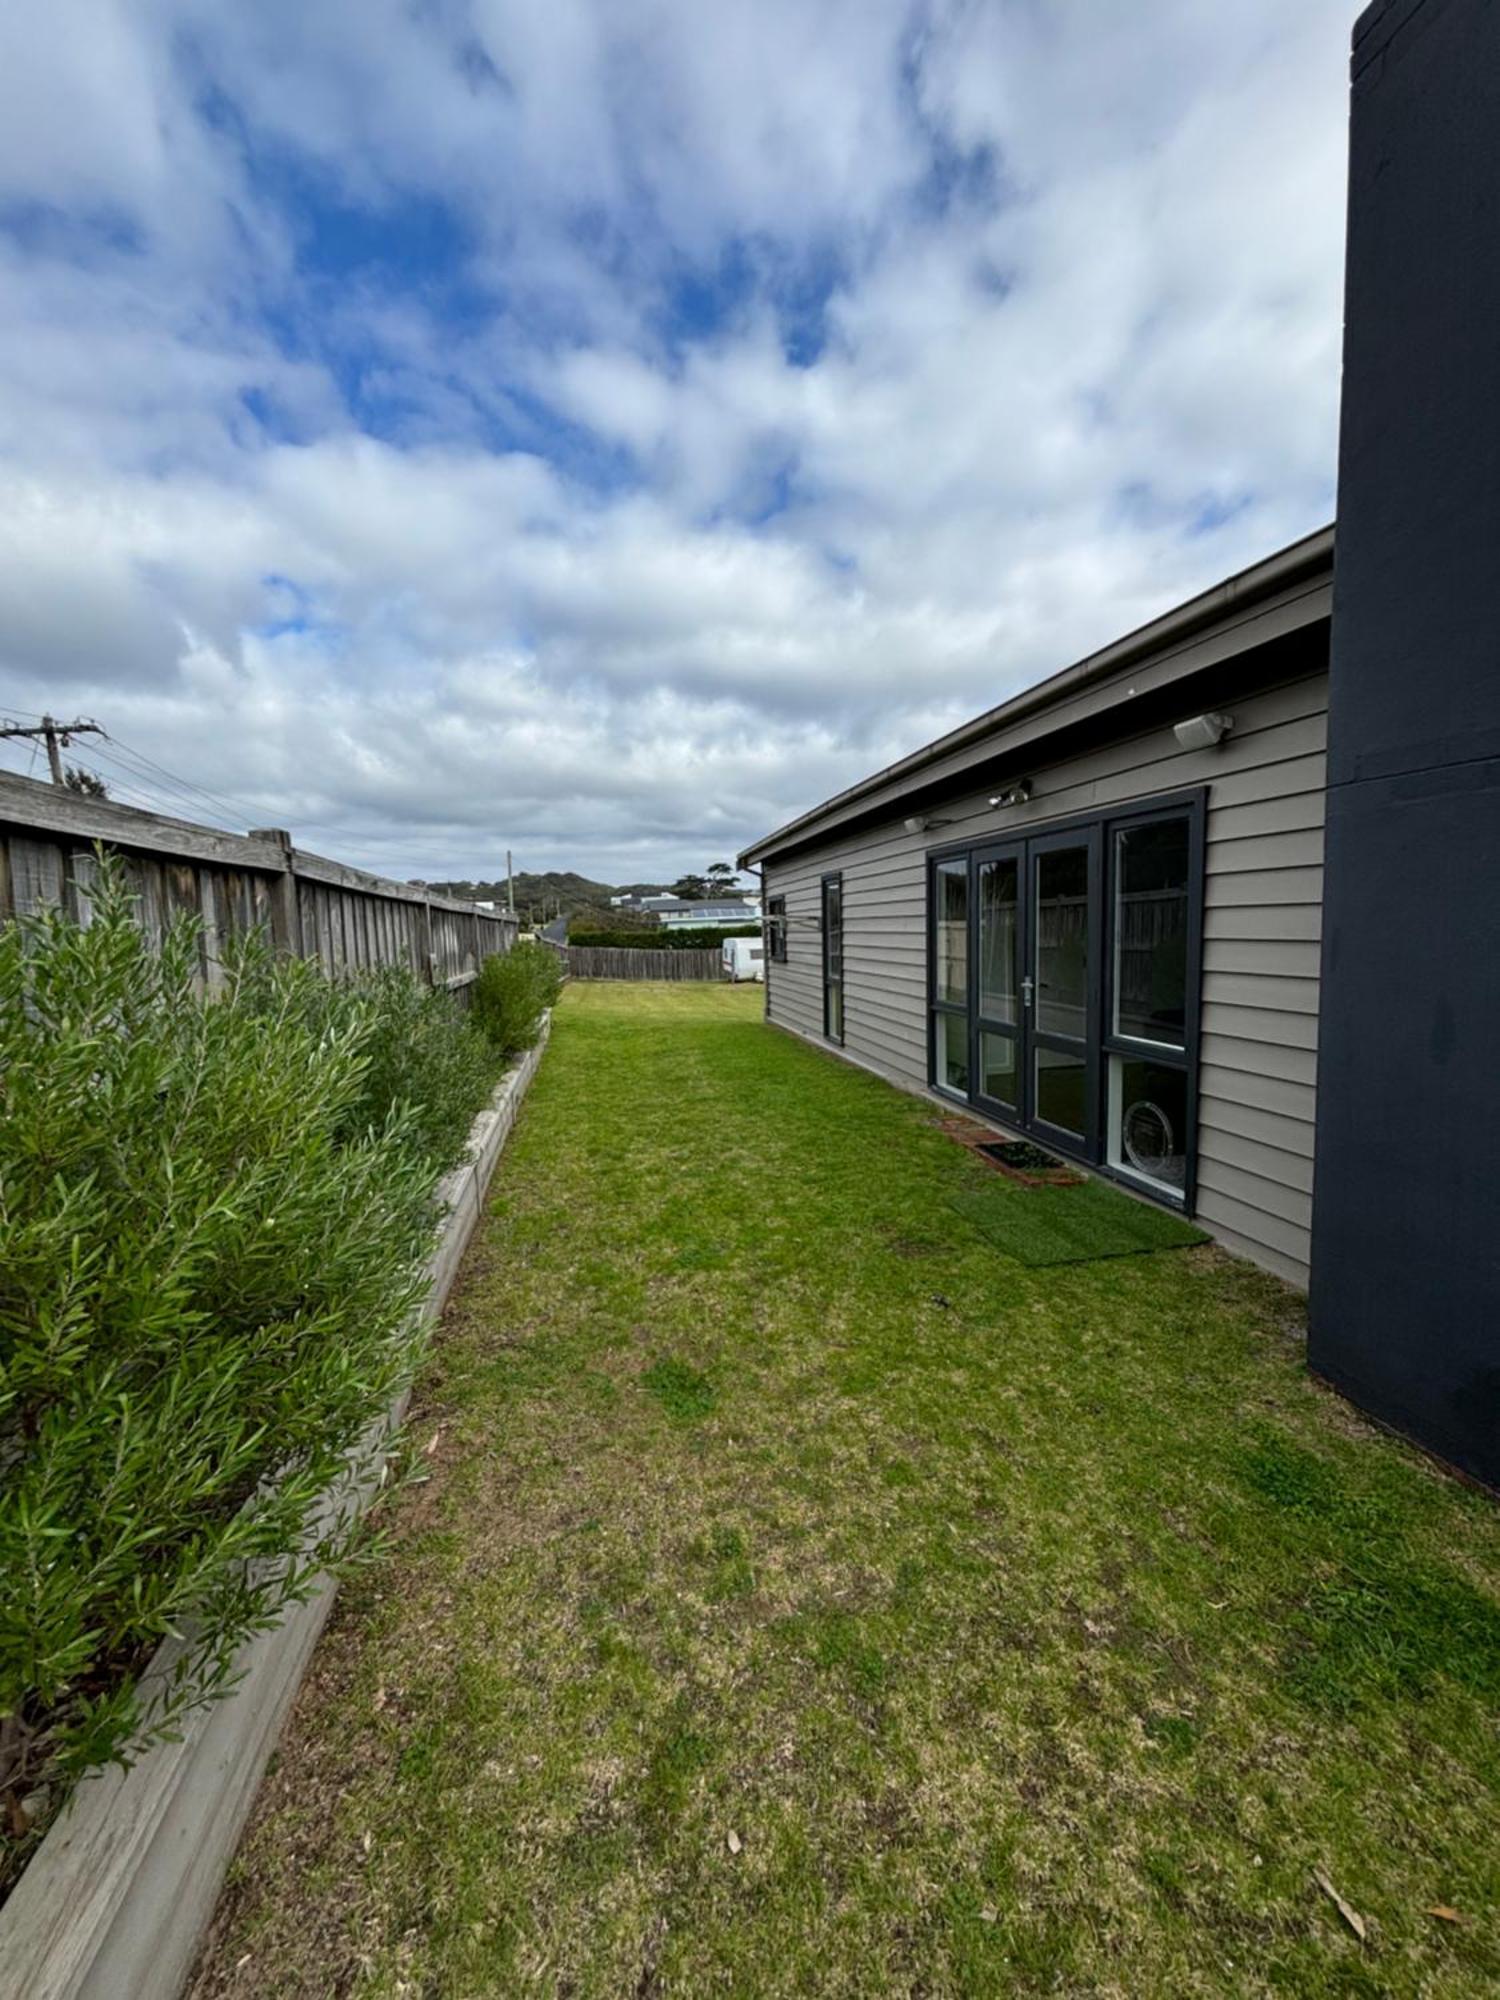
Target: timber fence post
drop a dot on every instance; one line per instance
(286, 913)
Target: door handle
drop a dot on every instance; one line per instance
(1026, 990)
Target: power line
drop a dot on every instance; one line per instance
(128, 758)
(126, 781)
(139, 779)
(223, 800)
(167, 793)
(164, 795)
(30, 762)
(126, 793)
(122, 793)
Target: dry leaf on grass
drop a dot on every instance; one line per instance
(1446, 1911)
(1350, 1915)
(734, 1843)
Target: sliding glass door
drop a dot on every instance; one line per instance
(1064, 969)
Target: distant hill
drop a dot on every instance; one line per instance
(562, 892)
(554, 891)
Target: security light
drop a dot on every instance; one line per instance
(1202, 732)
(1013, 795)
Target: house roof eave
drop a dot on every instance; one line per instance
(1224, 605)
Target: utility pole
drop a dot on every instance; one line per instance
(56, 733)
(510, 884)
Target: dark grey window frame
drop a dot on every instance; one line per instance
(776, 930)
(960, 1010)
(833, 880)
(1100, 827)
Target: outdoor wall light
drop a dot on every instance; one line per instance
(1202, 732)
(921, 822)
(1013, 795)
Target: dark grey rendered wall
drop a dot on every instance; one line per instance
(1405, 1294)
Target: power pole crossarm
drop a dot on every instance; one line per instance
(56, 733)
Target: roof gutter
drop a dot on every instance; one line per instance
(1313, 554)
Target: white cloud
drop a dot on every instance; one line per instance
(789, 381)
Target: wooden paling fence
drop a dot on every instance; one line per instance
(607, 961)
(236, 883)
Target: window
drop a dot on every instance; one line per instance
(833, 957)
(1151, 931)
(953, 932)
(1148, 1121)
(776, 930)
(950, 976)
(1151, 876)
(1063, 974)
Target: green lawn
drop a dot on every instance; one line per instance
(809, 1597)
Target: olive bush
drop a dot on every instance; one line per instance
(213, 1217)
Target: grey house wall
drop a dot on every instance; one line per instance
(1262, 925)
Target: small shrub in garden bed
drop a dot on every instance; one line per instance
(213, 1214)
(511, 995)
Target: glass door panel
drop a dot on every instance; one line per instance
(1060, 987)
(1000, 1070)
(1062, 940)
(1061, 1090)
(999, 939)
(999, 1026)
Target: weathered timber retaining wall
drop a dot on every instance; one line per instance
(234, 883)
(116, 1900)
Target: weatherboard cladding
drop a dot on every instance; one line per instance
(1262, 926)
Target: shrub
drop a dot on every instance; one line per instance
(423, 1053)
(418, 1052)
(512, 993)
(213, 1213)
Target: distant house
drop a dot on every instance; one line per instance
(676, 914)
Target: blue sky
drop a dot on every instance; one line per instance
(605, 430)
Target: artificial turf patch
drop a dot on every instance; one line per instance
(1069, 1225)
